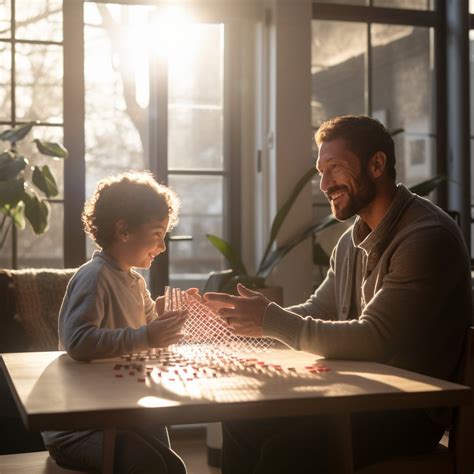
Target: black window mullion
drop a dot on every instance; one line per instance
(14, 235)
(369, 14)
(158, 155)
(368, 72)
(74, 119)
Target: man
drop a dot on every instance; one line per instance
(397, 292)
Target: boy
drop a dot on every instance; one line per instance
(107, 312)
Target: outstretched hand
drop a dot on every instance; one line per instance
(160, 301)
(243, 313)
(165, 330)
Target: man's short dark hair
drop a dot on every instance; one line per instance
(364, 136)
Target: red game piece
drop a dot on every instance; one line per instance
(119, 375)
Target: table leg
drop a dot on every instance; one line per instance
(342, 433)
(108, 450)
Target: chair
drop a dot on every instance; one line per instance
(458, 456)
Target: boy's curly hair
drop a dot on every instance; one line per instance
(134, 197)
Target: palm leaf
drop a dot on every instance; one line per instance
(275, 257)
(229, 253)
(424, 188)
(283, 211)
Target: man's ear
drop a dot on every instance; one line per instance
(121, 230)
(377, 164)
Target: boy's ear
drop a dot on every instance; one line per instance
(121, 230)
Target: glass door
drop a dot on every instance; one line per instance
(154, 99)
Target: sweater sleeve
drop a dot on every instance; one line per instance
(81, 317)
(423, 270)
(322, 303)
(148, 303)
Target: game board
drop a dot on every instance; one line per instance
(204, 326)
(209, 373)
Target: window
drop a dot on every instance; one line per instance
(163, 110)
(31, 78)
(368, 65)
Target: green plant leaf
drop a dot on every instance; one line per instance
(44, 180)
(396, 132)
(251, 282)
(229, 253)
(425, 187)
(53, 149)
(36, 212)
(14, 135)
(12, 168)
(11, 192)
(275, 257)
(320, 257)
(18, 215)
(6, 157)
(285, 208)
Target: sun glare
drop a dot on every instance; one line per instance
(146, 34)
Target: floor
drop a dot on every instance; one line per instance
(193, 452)
(190, 444)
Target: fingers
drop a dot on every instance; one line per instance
(172, 314)
(217, 301)
(192, 291)
(244, 291)
(160, 304)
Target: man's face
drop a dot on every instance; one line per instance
(346, 184)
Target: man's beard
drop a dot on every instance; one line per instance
(355, 202)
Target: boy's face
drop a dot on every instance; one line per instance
(145, 243)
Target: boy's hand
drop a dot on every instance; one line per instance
(160, 301)
(165, 330)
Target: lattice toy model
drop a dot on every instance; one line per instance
(205, 327)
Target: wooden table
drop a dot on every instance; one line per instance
(54, 392)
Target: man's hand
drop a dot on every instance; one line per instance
(243, 313)
(165, 330)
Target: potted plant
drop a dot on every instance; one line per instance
(24, 197)
(226, 281)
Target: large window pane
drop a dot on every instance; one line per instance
(408, 4)
(45, 250)
(338, 80)
(5, 18)
(337, 66)
(5, 81)
(56, 165)
(116, 123)
(195, 83)
(39, 20)
(39, 82)
(202, 207)
(403, 96)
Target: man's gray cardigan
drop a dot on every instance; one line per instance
(399, 295)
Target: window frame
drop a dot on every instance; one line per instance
(74, 119)
(436, 19)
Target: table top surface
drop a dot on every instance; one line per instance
(53, 391)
